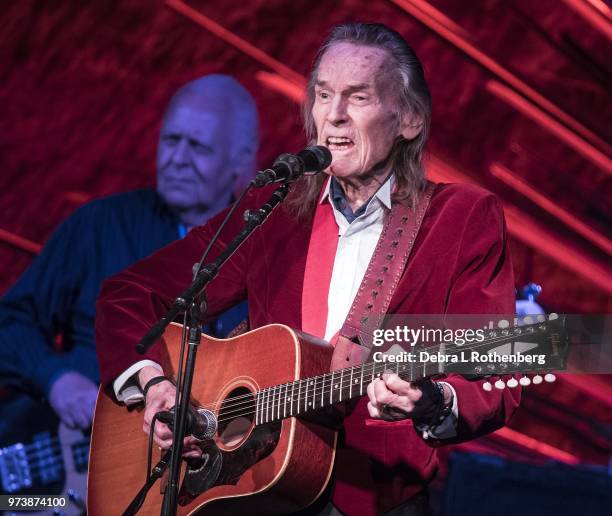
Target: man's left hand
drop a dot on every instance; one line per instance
(391, 399)
(73, 397)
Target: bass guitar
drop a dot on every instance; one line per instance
(47, 459)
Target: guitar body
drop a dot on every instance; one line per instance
(272, 468)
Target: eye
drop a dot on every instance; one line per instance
(200, 148)
(171, 139)
(323, 95)
(360, 98)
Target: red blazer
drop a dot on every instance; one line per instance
(459, 264)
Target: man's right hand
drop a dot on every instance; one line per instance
(161, 396)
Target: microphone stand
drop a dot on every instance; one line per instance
(186, 299)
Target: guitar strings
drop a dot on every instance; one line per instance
(37, 453)
(273, 399)
(37, 457)
(325, 383)
(272, 404)
(52, 441)
(249, 399)
(433, 348)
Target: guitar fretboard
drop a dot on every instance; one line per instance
(294, 398)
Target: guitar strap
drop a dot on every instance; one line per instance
(382, 276)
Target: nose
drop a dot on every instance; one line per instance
(180, 154)
(337, 114)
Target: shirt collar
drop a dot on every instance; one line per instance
(383, 194)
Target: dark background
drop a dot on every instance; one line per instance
(521, 95)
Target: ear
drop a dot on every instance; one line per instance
(411, 126)
(243, 167)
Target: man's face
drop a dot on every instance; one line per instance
(355, 108)
(193, 159)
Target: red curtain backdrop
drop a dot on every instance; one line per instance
(85, 84)
(521, 106)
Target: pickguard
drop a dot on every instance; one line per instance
(220, 467)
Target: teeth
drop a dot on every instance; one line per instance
(339, 139)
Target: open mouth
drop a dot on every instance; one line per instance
(336, 143)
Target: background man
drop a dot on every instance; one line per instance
(207, 150)
(367, 100)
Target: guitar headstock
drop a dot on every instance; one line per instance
(533, 345)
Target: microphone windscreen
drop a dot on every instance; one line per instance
(316, 158)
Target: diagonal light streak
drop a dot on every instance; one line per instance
(511, 179)
(447, 29)
(539, 116)
(237, 42)
(532, 233)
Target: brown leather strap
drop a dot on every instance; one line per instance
(380, 281)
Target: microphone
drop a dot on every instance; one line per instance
(289, 167)
(201, 423)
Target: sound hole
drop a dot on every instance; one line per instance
(236, 417)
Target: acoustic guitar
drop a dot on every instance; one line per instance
(265, 458)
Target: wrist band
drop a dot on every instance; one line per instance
(153, 381)
(445, 410)
(433, 392)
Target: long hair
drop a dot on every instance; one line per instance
(406, 158)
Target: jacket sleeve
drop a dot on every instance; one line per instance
(39, 307)
(483, 284)
(135, 299)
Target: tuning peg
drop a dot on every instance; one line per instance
(499, 384)
(487, 386)
(537, 379)
(549, 377)
(541, 318)
(525, 381)
(528, 319)
(553, 317)
(512, 383)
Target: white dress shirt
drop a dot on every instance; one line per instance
(356, 244)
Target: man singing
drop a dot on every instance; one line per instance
(369, 103)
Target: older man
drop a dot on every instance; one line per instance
(207, 148)
(368, 102)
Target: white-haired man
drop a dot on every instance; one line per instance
(207, 151)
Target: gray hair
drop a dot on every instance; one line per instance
(406, 158)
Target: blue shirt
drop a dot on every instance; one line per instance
(341, 203)
(57, 293)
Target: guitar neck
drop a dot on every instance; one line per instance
(302, 396)
(299, 397)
